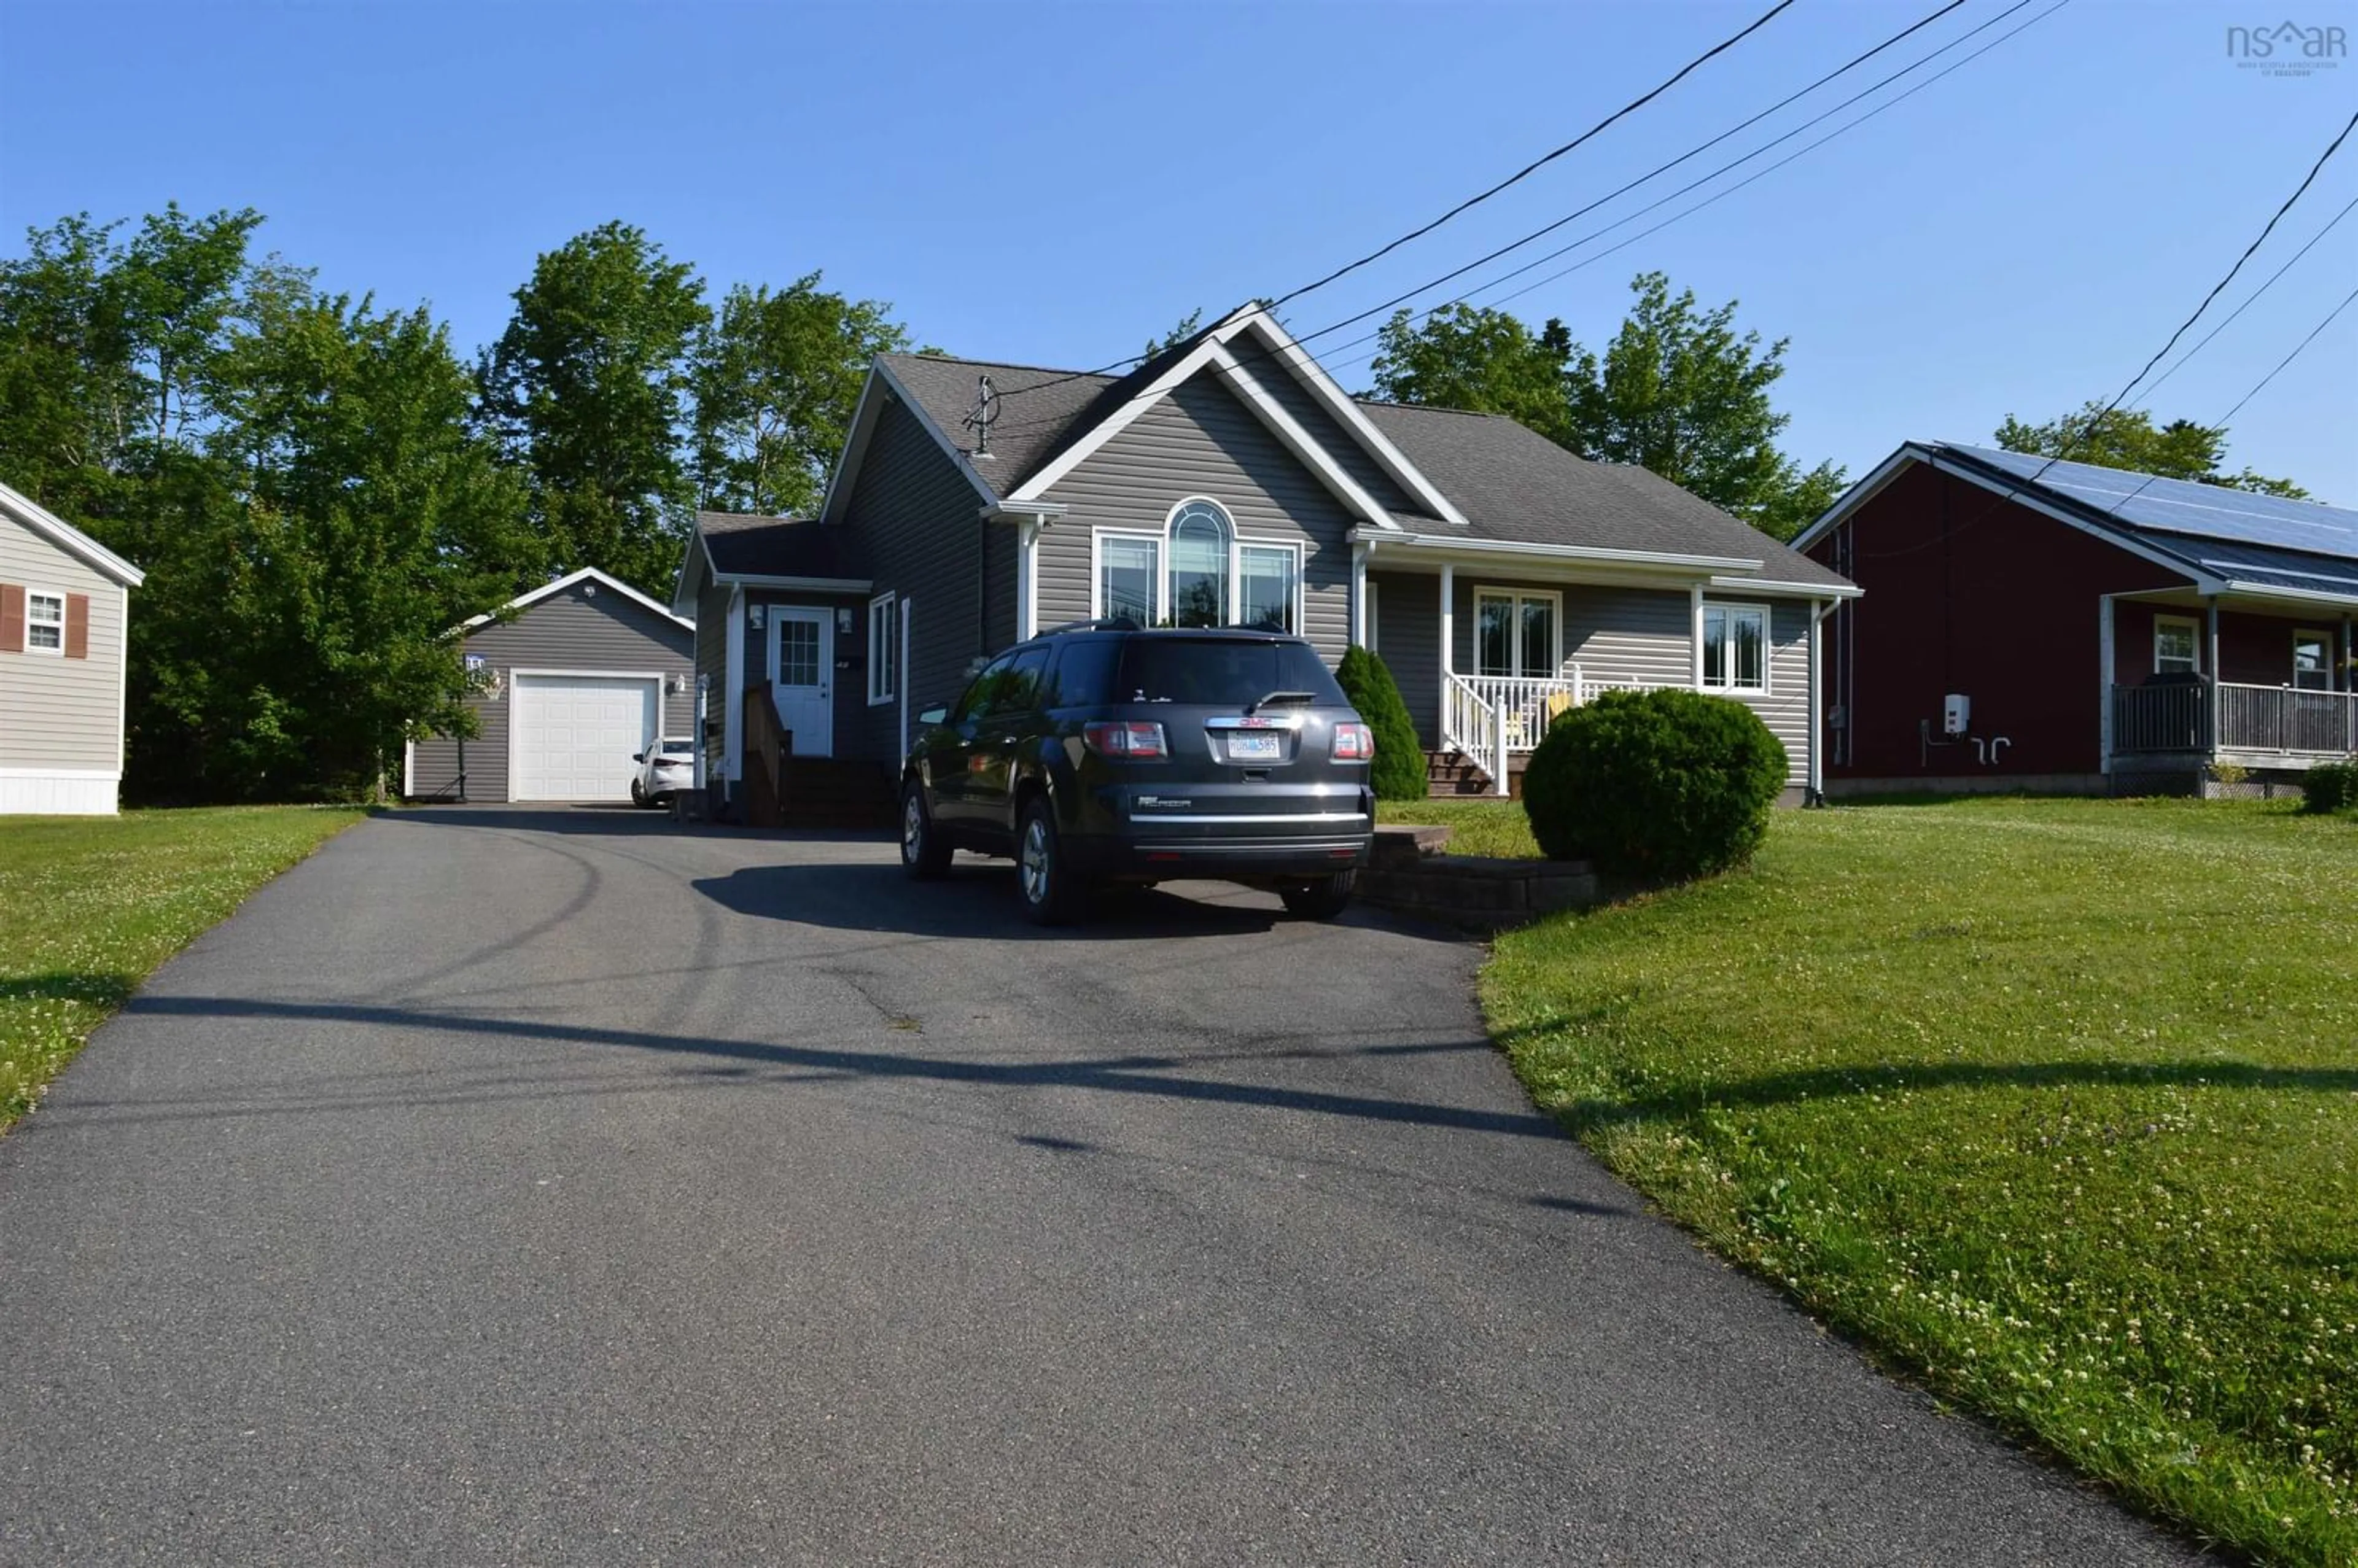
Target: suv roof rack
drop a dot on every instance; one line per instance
(1104, 623)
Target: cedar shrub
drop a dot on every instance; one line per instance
(1399, 769)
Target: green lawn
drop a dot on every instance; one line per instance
(89, 905)
(2053, 1104)
(1493, 827)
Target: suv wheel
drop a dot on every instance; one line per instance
(1321, 900)
(924, 854)
(1050, 895)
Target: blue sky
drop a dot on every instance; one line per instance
(1055, 184)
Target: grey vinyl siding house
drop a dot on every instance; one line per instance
(572, 678)
(65, 622)
(1229, 480)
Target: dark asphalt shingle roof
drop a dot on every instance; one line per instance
(1513, 484)
(749, 545)
(1516, 486)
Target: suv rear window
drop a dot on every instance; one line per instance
(1216, 672)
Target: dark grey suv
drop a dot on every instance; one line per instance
(1105, 753)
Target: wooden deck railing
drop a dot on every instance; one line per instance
(768, 744)
(2261, 719)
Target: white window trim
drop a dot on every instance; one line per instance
(1228, 562)
(881, 692)
(1237, 548)
(2332, 647)
(1097, 566)
(2194, 638)
(1239, 542)
(59, 594)
(1555, 653)
(1767, 648)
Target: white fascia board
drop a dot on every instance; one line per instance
(1313, 375)
(807, 584)
(1390, 543)
(1790, 590)
(2019, 491)
(69, 538)
(683, 595)
(1121, 419)
(1022, 510)
(863, 426)
(1859, 495)
(2292, 595)
(587, 574)
(1299, 441)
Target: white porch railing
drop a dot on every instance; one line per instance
(1491, 718)
(1475, 727)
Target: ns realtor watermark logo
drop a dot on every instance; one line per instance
(2288, 49)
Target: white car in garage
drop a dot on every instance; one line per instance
(665, 767)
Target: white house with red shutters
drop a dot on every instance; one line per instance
(65, 611)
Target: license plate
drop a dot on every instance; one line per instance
(1250, 747)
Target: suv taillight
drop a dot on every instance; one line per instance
(1132, 740)
(1354, 743)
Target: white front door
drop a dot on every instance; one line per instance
(802, 675)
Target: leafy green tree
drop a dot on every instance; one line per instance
(1481, 360)
(2128, 439)
(1187, 327)
(775, 378)
(1680, 392)
(587, 389)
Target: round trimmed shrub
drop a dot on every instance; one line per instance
(1400, 771)
(2329, 786)
(1654, 783)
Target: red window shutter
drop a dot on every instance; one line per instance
(77, 626)
(12, 617)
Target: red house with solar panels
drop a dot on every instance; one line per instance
(2061, 627)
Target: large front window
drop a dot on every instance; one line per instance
(1197, 572)
(1735, 647)
(1515, 633)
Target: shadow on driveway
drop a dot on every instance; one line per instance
(976, 900)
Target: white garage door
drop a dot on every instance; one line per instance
(575, 734)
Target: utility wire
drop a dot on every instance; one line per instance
(1544, 159)
(2247, 304)
(2313, 332)
(1851, 64)
(1722, 195)
(1536, 164)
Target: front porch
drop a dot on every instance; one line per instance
(1489, 653)
(2206, 723)
(2237, 683)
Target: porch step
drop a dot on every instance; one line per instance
(1449, 773)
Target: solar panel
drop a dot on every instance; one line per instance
(2184, 506)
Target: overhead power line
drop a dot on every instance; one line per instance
(2304, 344)
(2230, 319)
(1536, 164)
(1721, 195)
(1851, 64)
(1545, 158)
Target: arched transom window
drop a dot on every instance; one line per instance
(1199, 572)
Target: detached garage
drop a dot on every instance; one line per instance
(575, 678)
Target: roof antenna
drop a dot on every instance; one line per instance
(983, 415)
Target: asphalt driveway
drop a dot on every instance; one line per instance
(564, 1188)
